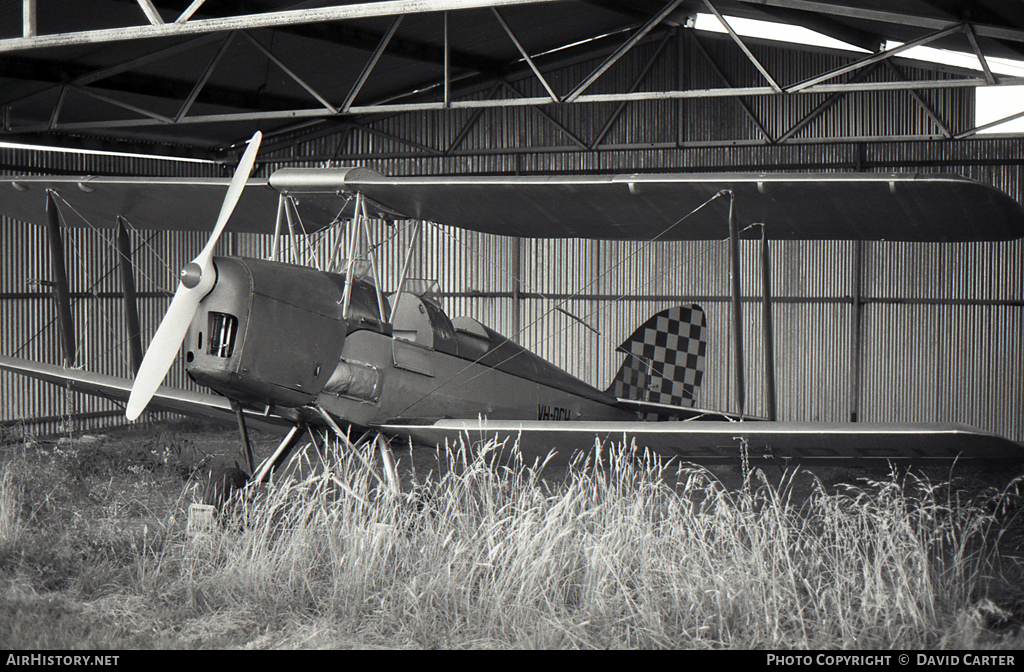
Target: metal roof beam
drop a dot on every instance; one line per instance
(972, 131)
(535, 101)
(621, 51)
(633, 87)
(526, 55)
(743, 47)
(288, 71)
(743, 104)
(371, 64)
(989, 77)
(874, 58)
(150, 11)
(293, 17)
(822, 106)
(922, 102)
(187, 105)
(28, 18)
(187, 14)
(864, 39)
(347, 35)
(554, 122)
(119, 80)
(912, 20)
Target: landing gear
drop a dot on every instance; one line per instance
(246, 444)
(223, 483)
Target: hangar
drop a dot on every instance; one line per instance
(864, 331)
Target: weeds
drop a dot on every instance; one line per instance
(487, 552)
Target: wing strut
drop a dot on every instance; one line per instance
(769, 332)
(130, 301)
(61, 291)
(737, 317)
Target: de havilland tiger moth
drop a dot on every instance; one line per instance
(311, 348)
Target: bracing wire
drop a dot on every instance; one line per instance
(554, 308)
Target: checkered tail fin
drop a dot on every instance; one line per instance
(664, 358)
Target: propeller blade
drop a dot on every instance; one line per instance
(163, 350)
(231, 198)
(197, 279)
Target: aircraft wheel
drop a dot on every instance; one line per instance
(224, 482)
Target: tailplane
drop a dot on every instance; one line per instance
(664, 358)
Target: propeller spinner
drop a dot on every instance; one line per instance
(197, 279)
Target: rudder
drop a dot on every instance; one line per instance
(664, 358)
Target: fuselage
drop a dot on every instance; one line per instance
(278, 337)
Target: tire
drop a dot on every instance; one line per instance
(224, 482)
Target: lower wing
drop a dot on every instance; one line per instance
(733, 443)
(196, 404)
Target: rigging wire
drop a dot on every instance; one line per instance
(646, 244)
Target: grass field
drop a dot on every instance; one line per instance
(468, 552)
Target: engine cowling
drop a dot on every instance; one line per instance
(272, 334)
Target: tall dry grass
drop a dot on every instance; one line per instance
(488, 553)
(11, 525)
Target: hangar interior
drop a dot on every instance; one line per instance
(864, 331)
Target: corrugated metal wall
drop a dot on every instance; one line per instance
(27, 309)
(936, 335)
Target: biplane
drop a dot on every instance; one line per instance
(312, 348)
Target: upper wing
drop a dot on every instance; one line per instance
(111, 387)
(173, 204)
(733, 443)
(897, 206)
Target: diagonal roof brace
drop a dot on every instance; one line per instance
(750, 55)
(621, 51)
(874, 58)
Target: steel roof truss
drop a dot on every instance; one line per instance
(518, 102)
(621, 51)
(824, 105)
(187, 105)
(154, 116)
(743, 47)
(728, 83)
(291, 17)
(370, 65)
(288, 71)
(464, 131)
(633, 87)
(554, 122)
(529, 61)
(98, 75)
(922, 102)
(874, 58)
(58, 106)
(989, 77)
